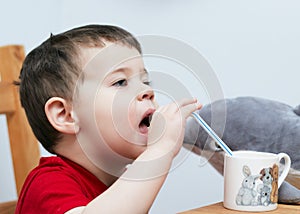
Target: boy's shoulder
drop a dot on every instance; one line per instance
(58, 183)
(58, 173)
(59, 168)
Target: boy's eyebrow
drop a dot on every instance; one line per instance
(144, 70)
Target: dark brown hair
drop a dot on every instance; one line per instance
(52, 69)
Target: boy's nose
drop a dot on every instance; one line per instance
(146, 94)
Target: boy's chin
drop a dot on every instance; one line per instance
(137, 151)
(143, 139)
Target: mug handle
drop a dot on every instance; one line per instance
(287, 166)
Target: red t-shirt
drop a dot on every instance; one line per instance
(56, 186)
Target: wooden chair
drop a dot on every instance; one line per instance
(24, 146)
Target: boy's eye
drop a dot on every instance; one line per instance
(147, 82)
(119, 83)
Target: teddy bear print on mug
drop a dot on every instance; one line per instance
(274, 193)
(264, 195)
(265, 188)
(261, 189)
(269, 177)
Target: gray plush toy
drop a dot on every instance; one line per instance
(251, 123)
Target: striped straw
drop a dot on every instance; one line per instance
(212, 133)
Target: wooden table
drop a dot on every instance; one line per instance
(218, 208)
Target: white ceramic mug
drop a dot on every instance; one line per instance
(251, 180)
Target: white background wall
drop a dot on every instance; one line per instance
(252, 45)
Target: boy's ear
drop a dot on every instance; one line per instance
(61, 116)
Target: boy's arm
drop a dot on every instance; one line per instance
(136, 189)
(129, 195)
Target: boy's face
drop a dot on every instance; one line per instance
(114, 101)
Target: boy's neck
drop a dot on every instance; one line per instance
(71, 149)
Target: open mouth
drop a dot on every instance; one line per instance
(145, 122)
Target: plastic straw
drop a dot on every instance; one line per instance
(212, 133)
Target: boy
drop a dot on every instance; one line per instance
(87, 98)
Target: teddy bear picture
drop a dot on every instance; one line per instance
(274, 193)
(269, 177)
(264, 197)
(259, 189)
